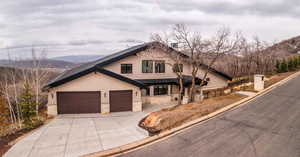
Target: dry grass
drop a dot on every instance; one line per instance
(278, 77)
(172, 117)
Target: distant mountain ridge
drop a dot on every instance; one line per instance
(78, 58)
(45, 63)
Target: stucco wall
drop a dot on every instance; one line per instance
(136, 62)
(216, 81)
(95, 82)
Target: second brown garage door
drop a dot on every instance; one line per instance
(78, 102)
(120, 100)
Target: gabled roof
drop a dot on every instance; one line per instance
(98, 64)
(95, 69)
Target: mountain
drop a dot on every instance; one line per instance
(45, 63)
(78, 58)
(287, 47)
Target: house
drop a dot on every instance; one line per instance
(123, 81)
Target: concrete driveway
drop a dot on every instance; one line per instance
(75, 135)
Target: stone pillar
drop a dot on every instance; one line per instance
(105, 107)
(52, 104)
(169, 89)
(151, 90)
(259, 82)
(185, 98)
(137, 104)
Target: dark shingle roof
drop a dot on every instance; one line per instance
(98, 64)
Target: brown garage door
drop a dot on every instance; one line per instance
(78, 102)
(120, 100)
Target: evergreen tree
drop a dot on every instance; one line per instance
(284, 66)
(296, 63)
(278, 70)
(27, 104)
(290, 65)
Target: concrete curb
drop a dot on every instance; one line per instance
(156, 138)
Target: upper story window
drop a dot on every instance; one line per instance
(178, 67)
(126, 68)
(159, 66)
(147, 66)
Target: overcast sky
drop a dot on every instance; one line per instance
(70, 27)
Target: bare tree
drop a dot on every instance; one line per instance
(221, 44)
(199, 53)
(161, 42)
(39, 76)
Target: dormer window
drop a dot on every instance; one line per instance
(126, 68)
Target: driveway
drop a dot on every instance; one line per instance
(75, 135)
(268, 126)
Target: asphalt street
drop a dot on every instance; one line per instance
(268, 126)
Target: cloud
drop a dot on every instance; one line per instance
(102, 27)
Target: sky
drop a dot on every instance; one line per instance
(81, 27)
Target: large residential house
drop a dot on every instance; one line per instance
(124, 81)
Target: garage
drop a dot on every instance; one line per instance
(78, 102)
(120, 100)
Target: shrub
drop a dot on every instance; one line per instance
(4, 112)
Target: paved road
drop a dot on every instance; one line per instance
(266, 127)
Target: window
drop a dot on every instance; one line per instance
(159, 66)
(126, 68)
(147, 91)
(178, 68)
(147, 66)
(160, 89)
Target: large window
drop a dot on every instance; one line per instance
(147, 66)
(178, 68)
(159, 66)
(126, 68)
(160, 89)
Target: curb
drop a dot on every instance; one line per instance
(156, 138)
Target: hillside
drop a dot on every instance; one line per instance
(46, 63)
(287, 47)
(78, 58)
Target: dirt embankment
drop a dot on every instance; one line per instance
(175, 116)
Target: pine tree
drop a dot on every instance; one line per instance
(290, 65)
(284, 66)
(296, 63)
(278, 70)
(27, 104)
